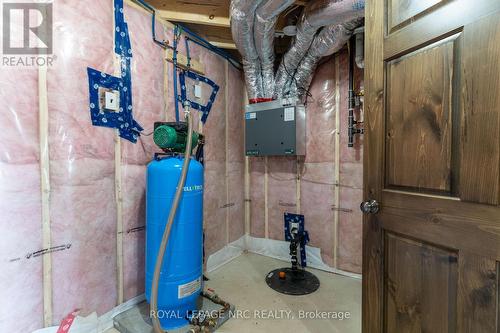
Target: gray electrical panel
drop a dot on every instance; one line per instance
(276, 128)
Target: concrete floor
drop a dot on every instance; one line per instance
(242, 283)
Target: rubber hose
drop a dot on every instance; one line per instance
(171, 216)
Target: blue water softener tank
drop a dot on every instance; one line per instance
(181, 274)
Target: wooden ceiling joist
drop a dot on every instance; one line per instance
(208, 18)
(196, 18)
(209, 12)
(224, 45)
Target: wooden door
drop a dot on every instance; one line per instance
(431, 256)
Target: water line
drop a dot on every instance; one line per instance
(197, 39)
(194, 37)
(153, 24)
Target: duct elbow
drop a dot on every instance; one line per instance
(317, 14)
(264, 28)
(253, 24)
(242, 28)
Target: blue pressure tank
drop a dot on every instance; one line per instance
(181, 279)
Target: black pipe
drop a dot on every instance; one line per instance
(352, 98)
(352, 123)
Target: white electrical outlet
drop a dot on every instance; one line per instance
(111, 100)
(197, 90)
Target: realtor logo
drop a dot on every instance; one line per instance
(27, 28)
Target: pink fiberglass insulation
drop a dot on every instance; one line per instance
(149, 106)
(83, 214)
(134, 212)
(83, 210)
(148, 84)
(21, 294)
(317, 199)
(236, 200)
(257, 197)
(282, 193)
(235, 154)
(350, 226)
(215, 127)
(215, 198)
(317, 180)
(214, 212)
(321, 113)
(82, 172)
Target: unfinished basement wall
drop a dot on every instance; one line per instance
(83, 194)
(21, 293)
(326, 186)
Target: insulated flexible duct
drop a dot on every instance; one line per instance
(317, 14)
(329, 41)
(242, 27)
(265, 21)
(360, 47)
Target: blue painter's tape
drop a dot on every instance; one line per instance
(122, 120)
(205, 109)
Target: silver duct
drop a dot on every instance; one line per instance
(328, 41)
(242, 26)
(360, 47)
(265, 21)
(317, 14)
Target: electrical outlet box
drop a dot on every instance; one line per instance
(276, 128)
(111, 100)
(197, 90)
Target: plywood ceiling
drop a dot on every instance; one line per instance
(209, 18)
